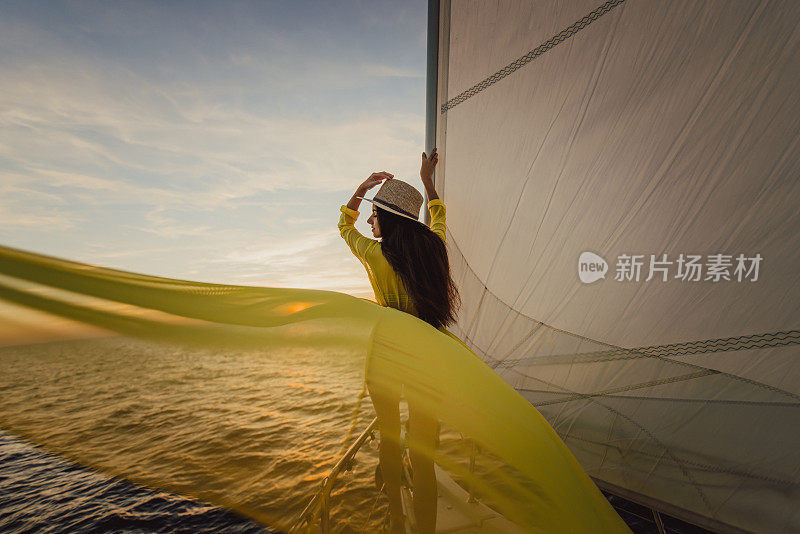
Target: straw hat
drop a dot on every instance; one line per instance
(398, 197)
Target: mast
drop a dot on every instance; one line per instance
(431, 88)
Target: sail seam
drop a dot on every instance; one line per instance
(515, 65)
(752, 341)
(773, 404)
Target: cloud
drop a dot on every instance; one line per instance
(225, 159)
(292, 251)
(233, 151)
(391, 71)
(12, 220)
(289, 73)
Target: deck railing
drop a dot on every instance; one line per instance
(319, 507)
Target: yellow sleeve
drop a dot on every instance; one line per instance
(437, 209)
(354, 239)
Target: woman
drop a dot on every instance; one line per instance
(409, 270)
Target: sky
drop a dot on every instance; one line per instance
(208, 141)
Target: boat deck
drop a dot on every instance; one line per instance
(456, 513)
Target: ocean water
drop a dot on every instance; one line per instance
(207, 441)
(254, 432)
(40, 492)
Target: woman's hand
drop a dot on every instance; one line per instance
(373, 180)
(428, 164)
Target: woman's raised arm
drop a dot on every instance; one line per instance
(426, 173)
(358, 244)
(373, 180)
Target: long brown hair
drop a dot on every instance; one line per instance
(419, 257)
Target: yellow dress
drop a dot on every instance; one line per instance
(388, 287)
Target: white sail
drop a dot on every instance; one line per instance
(628, 129)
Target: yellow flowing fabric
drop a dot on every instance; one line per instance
(540, 486)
